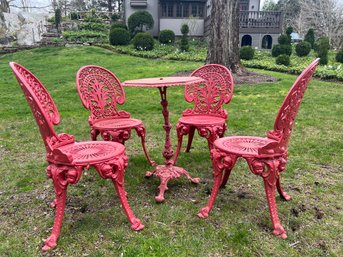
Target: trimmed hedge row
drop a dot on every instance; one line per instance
(262, 60)
(85, 36)
(323, 72)
(99, 27)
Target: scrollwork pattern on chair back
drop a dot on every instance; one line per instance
(287, 113)
(100, 92)
(41, 103)
(209, 97)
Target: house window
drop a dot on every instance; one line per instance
(164, 10)
(197, 10)
(246, 40)
(185, 11)
(194, 10)
(200, 10)
(167, 10)
(182, 9)
(170, 10)
(267, 42)
(244, 5)
(178, 10)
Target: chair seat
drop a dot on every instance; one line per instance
(241, 145)
(202, 120)
(92, 152)
(112, 124)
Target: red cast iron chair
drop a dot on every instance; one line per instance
(100, 91)
(266, 157)
(67, 158)
(207, 115)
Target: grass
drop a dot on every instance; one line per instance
(94, 223)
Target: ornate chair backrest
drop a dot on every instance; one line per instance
(287, 113)
(100, 91)
(41, 103)
(209, 97)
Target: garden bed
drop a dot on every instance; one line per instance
(262, 59)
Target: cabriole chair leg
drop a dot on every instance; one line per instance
(115, 170)
(190, 139)
(61, 176)
(282, 193)
(141, 133)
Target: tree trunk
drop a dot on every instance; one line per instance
(109, 6)
(4, 6)
(224, 35)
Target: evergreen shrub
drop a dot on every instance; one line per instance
(58, 18)
(74, 16)
(321, 47)
(284, 40)
(99, 27)
(289, 31)
(283, 59)
(166, 36)
(119, 36)
(140, 20)
(281, 49)
(115, 17)
(116, 25)
(246, 53)
(309, 37)
(303, 49)
(143, 41)
(339, 56)
(184, 46)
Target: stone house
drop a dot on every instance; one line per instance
(257, 28)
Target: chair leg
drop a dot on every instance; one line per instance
(282, 193)
(190, 138)
(268, 169)
(61, 176)
(114, 170)
(222, 133)
(181, 130)
(94, 134)
(229, 162)
(270, 193)
(204, 212)
(225, 178)
(119, 186)
(141, 133)
(217, 158)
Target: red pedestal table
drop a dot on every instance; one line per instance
(167, 171)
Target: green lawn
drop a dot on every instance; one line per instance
(94, 223)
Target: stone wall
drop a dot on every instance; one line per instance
(26, 28)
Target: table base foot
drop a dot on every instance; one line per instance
(166, 173)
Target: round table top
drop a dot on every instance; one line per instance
(163, 82)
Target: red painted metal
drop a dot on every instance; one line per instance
(207, 115)
(168, 171)
(100, 91)
(67, 158)
(266, 157)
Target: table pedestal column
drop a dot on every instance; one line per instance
(168, 171)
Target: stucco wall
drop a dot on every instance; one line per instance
(254, 5)
(257, 39)
(196, 26)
